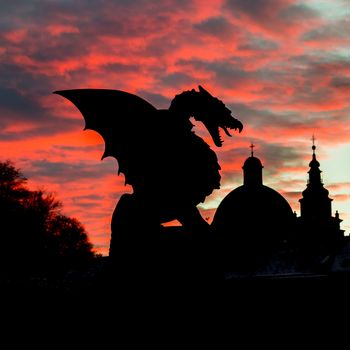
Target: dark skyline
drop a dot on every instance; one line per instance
(281, 66)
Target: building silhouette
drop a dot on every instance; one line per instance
(260, 235)
(319, 237)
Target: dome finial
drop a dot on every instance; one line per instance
(252, 149)
(313, 144)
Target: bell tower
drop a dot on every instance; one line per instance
(318, 229)
(315, 204)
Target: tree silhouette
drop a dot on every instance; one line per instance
(35, 235)
(68, 239)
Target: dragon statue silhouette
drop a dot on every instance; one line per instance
(170, 168)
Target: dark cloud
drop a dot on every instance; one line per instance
(277, 16)
(78, 149)
(310, 74)
(119, 68)
(67, 172)
(177, 79)
(117, 18)
(342, 83)
(15, 76)
(227, 73)
(215, 26)
(263, 117)
(88, 201)
(20, 93)
(264, 10)
(165, 43)
(235, 154)
(157, 100)
(18, 11)
(253, 8)
(329, 64)
(51, 126)
(91, 197)
(277, 155)
(70, 45)
(296, 195)
(230, 72)
(12, 101)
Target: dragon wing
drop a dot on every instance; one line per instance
(111, 113)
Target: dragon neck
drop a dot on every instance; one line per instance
(186, 103)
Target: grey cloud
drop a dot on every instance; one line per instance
(254, 8)
(328, 31)
(90, 201)
(18, 11)
(276, 155)
(20, 92)
(68, 172)
(13, 76)
(91, 197)
(274, 15)
(163, 44)
(119, 67)
(216, 26)
(295, 194)
(176, 79)
(298, 12)
(12, 100)
(341, 83)
(51, 126)
(69, 45)
(258, 44)
(76, 148)
(261, 116)
(227, 73)
(157, 100)
(261, 10)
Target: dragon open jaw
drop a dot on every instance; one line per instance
(214, 131)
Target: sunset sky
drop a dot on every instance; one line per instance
(281, 66)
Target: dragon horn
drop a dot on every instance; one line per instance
(201, 89)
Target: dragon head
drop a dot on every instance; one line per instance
(214, 115)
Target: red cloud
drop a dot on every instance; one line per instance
(278, 65)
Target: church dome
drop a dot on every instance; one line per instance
(248, 209)
(253, 219)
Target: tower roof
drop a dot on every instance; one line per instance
(315, 180)
(252, 163)
(314, 162)
(252, 170)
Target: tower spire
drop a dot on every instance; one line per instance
(314, 172)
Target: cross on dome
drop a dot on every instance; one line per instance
(252, 149)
